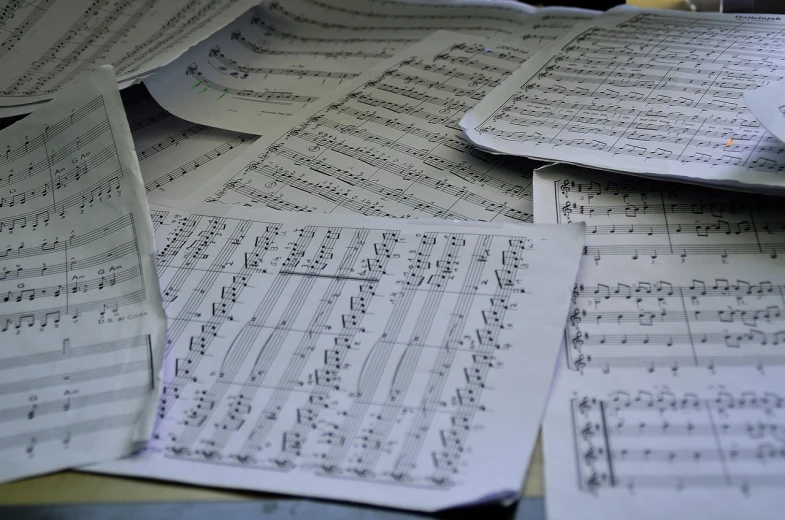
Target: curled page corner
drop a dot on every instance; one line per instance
(768, 105)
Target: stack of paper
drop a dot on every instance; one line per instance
(401, 350)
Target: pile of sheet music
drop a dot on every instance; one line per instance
(397, 331)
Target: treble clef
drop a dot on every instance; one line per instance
(593, 482)
(577, 340)
(590, 455)
(566, 187)
(575, 318)
(584, 406)
(588, 431)
(580, 363)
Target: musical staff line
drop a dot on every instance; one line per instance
(276, 7)
(172, 140)
(258, 49)
(202, 160)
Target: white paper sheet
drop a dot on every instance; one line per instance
(702, 447)
(81, 320)
(673, 333)
(645, 92)
(371, 360)
(48, 44)
(177, 157)
(673, 276)
(767, 104)
(389, 145)
(282, 56)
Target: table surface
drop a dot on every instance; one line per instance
(73, 487)
(153, 499)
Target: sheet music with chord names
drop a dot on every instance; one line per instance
(646, 92)
(673, 276)
(389, 145)
(49, 44)
(281, 57)
(696, 447)
(371, 360)
(176, 156)
(81, 319)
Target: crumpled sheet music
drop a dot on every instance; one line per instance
(701, 447)
(396, 363)
(389, 144)
(645, 92)
(48, 44)
(176, 156)
(82, 324)
(768, 105)
(677, 285)
(284, 55)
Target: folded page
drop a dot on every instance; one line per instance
(768, 105)
(81, 320)
(177, 157)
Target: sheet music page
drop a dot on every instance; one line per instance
(673, 276)
(646, 92)
(768, 105)
(175, 156)
(389, 145)
(82, 325)
(372, 360)
(668, 399)
(282, 56)
(48, 44)
(547, 25)
(702, 447)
